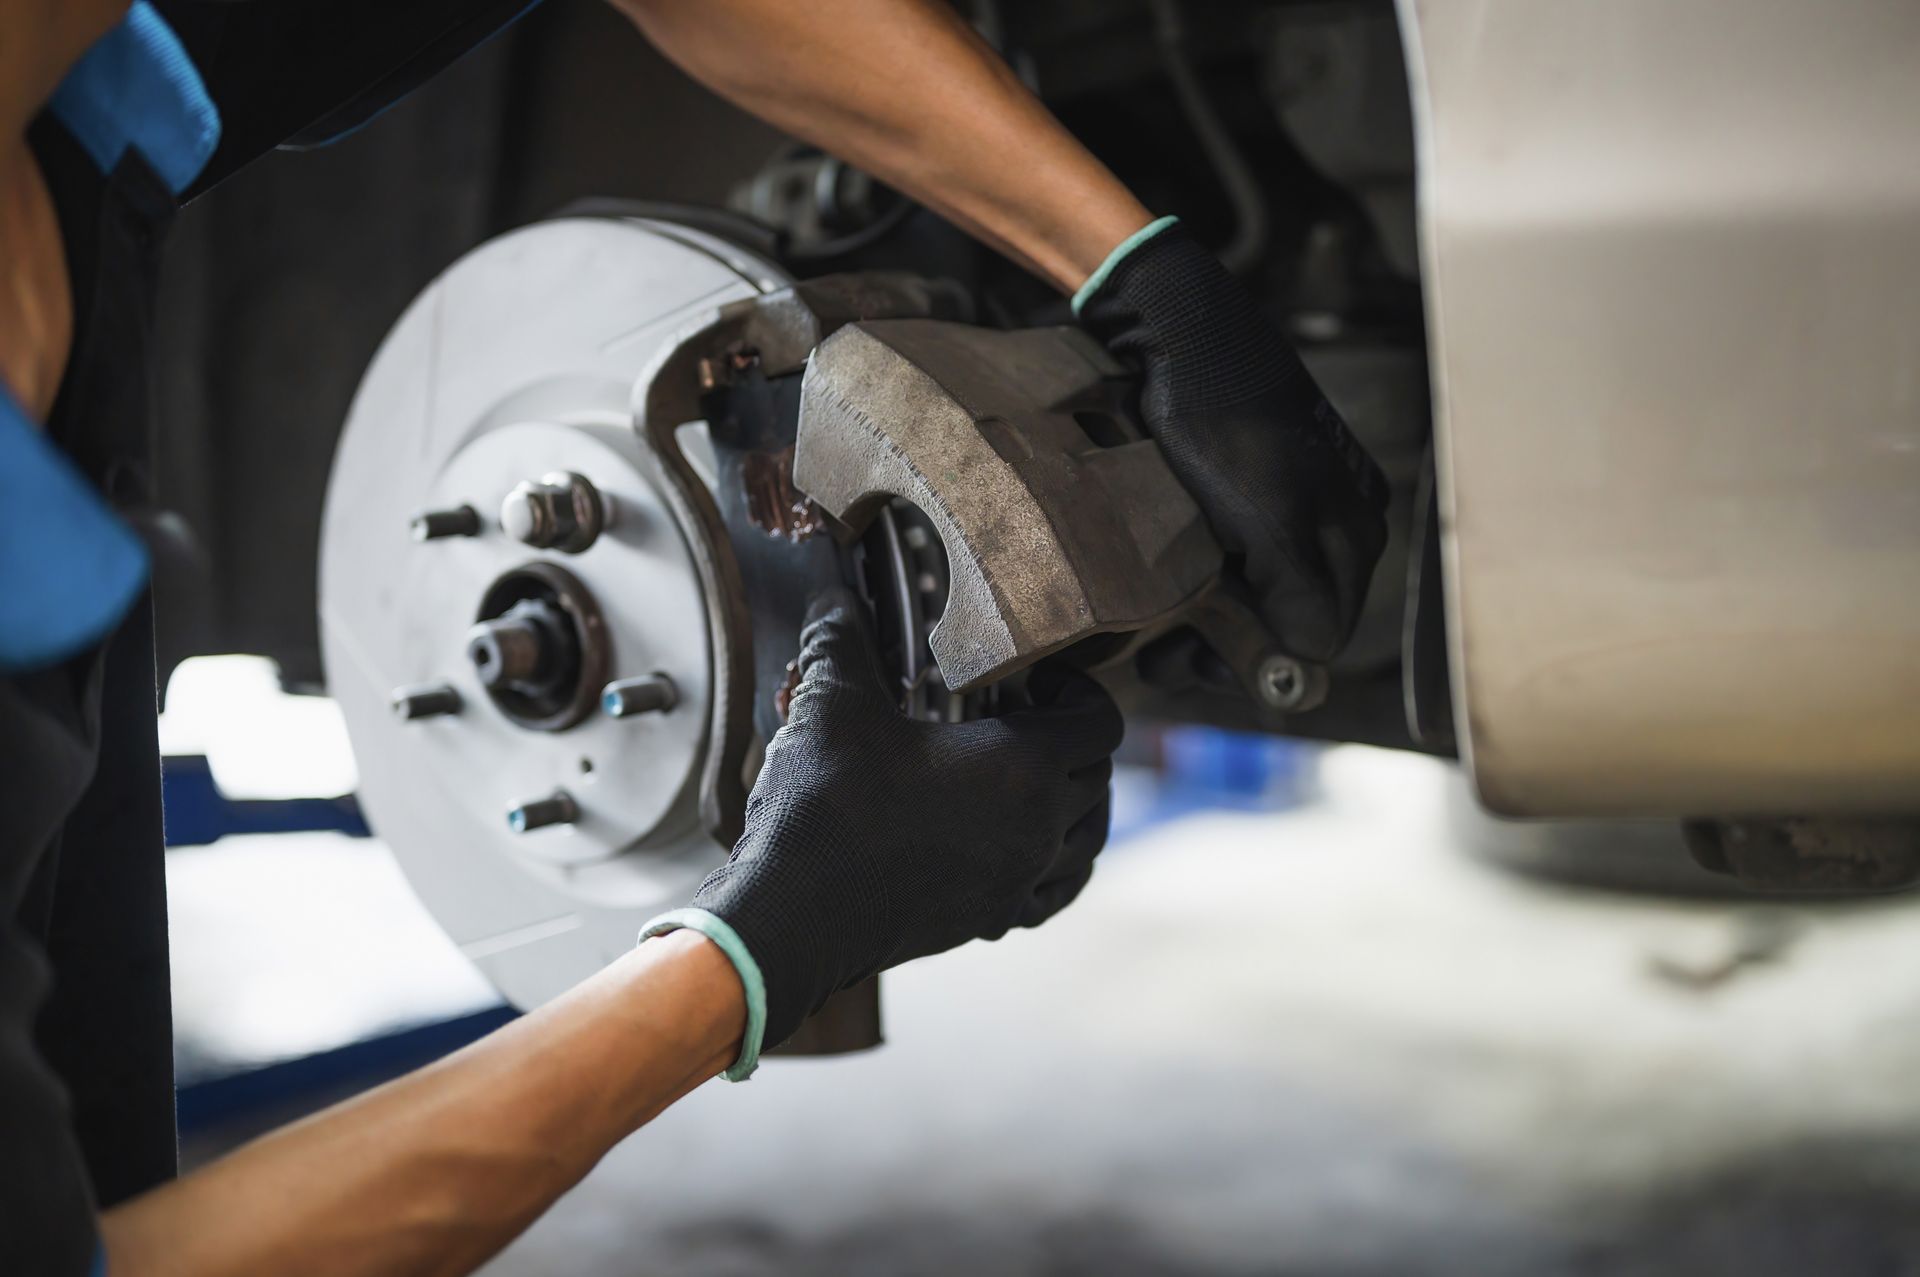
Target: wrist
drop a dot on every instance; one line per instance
(705, 939)
(1118, 254)
(719, 1011)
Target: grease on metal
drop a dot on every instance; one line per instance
(783, 699)
(774, 505)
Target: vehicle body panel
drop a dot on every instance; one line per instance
(1672, 268)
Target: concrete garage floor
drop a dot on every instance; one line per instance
(1320, 1042)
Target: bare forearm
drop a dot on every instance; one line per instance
(39, 41)
(42, 38)
(906, 91)
(435, 1172)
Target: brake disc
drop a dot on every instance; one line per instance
(535, 605)
(499, 545)
(559, 637)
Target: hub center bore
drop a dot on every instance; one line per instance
(539, 647)
(531, 650)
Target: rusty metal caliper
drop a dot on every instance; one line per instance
(1060, 519)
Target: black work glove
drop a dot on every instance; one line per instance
(872, 838)
(1282, 480)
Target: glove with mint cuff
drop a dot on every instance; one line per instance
(1289, 491)
(872, 838)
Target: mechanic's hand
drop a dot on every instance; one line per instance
(1286, 486)
(872, 838)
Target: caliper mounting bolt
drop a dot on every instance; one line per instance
(558, 808)
(1289, 685)
(430, 700)
(648, 694)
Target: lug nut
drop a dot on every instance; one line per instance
(556, 809)
(563, 511)
(651, 693)
(431, 525)
(430, 700)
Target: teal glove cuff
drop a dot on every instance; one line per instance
(1114, 259)
(730, 943)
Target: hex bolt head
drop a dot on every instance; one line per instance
(429, 700)
(1280, 681)
(563, 511)
(432, 525)
(648, 694)
(1288, 684)
(557, 808)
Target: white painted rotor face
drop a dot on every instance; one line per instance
(521, 361)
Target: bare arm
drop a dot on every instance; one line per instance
(42, 38)
(36, 309)
(438, 1170)
(827, 885)
(906, 91)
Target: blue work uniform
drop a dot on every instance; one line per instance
(178, 96)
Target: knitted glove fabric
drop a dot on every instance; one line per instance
(872, 838)
(1286, 486)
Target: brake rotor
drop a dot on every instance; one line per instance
(476, 601)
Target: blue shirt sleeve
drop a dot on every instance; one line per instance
(70, 566)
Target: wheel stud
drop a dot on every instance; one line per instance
(430, 700)
(432, 525)
(556, 809)
(648, 694)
